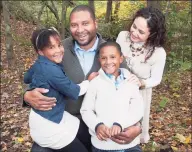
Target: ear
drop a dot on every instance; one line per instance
(40, 52)
(96, 24)
(121, 59)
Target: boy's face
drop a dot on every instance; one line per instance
(110, 60)
(54, 51)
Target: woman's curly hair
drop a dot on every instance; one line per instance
(156, 24)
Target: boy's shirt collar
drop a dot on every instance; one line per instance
(119, 79)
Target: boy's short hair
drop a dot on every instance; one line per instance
(110, 43)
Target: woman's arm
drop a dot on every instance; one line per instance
(156, 69)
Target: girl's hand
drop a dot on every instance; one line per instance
(92, 75)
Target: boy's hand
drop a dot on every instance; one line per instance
(103, 132)
(115, 130)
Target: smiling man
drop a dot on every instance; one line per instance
(80, 60)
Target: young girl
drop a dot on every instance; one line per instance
(111, 104)
(142, 47)
(56, 128)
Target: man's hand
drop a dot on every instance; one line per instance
(114, 130)
(134, 79)
(103, 132)
(39, 101)
(127, 135)
(92, 75)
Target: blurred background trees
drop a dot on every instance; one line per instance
(113, 16)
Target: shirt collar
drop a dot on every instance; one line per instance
(94, 47)
(121, 75)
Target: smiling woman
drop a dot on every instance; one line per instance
(142, 46)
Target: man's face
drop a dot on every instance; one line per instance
(110, 60)
(83, 28)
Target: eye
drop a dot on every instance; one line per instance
(134, 26)
(102, 58)
(141, 32)
(73, 25)
(60, 45)
(113, 57)
(85, 23)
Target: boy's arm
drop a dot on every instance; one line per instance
(136, 108)
(88, 108)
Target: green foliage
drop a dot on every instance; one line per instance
(179, 36)
(163, 102)
(178, 22)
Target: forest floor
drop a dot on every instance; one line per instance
(170, 119)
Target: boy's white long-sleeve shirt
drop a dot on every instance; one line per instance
(105, 103)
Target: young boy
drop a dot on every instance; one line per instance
(111, 103)
(56, 128)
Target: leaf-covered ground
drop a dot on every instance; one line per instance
(170, 119)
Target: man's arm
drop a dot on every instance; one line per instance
(38, 101)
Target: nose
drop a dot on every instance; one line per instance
(108, 61)
(80, 29)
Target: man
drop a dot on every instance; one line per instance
(80, 60)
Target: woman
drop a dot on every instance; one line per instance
(145, 56)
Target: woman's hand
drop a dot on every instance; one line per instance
(134, 79)
(39, 101)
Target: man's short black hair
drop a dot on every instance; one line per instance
(110, 43)
(83, 8)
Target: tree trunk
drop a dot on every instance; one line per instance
(91, 4)
(1, 6)
(54, 10)
(108, 11)
(155, 4)
(39, 16)
(8, 36)
(63, 18)
(117, 6)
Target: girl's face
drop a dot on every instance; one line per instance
(54, 51)
(139, 31)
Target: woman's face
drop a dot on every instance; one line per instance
(139, 31)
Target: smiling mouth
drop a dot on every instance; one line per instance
(134, 37)
(109, 67)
